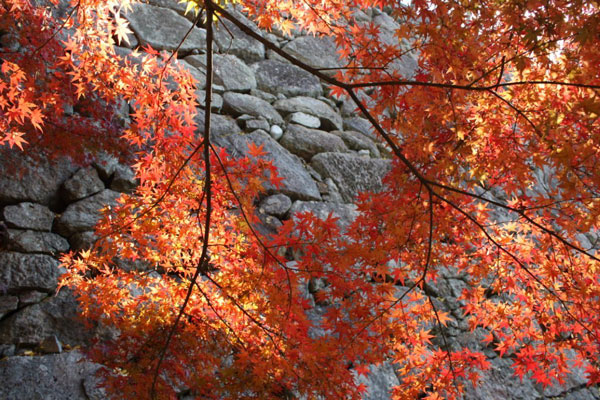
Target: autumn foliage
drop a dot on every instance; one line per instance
(505, 92)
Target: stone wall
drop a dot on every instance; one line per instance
(325, 153)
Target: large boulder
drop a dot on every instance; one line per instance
(297, 182)
(220, 125)
(8, 304)
(379, 382)
(229, 71)
(318, 52)
(83, 215)
(330, 120)
(305, 142)
(163, 29)
(357, 141)
(361, 125)
(49, 377)
(279, 77)
(123, 179)
(239, 103)
(300, 118)
(84, 183)
(54, 316)
(232, 40)
(408, 63)
(322, 209)
(233, 74)
(27, 271)
(350, 173)
(277, 205)
(36, 242)
(216, 100)
(25, 180)
(174, 5)
(28, 216)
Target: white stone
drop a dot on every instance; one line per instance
(276, 132)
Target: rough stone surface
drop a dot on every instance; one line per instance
(349, 107)
(83, 215)
(123, 179)
(361, 125)
(31, 297)
(173, 5)
(216, 101)
(82, 240)
(378, 382)
(318, 52)
(303, 119)
(297, 183)
(220, 125)
(278, 77)
(277, 205)
(239, 103)
(233, 74)
(36, 242)
(105, 165)
(498, 383)
(84, 183)
(8, 304)
(350, 173)
(49, 377)
(254, 124)
(321, 209)
(28, 216)
(306, 142)
(232, 40)
(407, 64)
(27, 271)
(269, 225)
(357, 141)
(23, 179)
(56, 315)
(263, 95)
(163, 29)
(330, 120)
(229, 71)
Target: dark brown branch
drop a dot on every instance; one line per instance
(467, 87)
(207, 193)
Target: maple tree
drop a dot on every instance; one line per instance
(503, 91)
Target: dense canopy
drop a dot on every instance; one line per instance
(490, 112)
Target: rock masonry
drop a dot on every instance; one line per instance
(325, 152)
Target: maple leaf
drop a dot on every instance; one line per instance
(122, 30)
(14, 138)
(362, 369)
(256, 151)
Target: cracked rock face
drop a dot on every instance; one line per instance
(25, 180)
(83, 215)
(49, 377)
(163, 29)
(297, 182)
(351, 174)
(318, 52)
(20, 271)
(278, 77)
(306, 142)
(29, 216)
